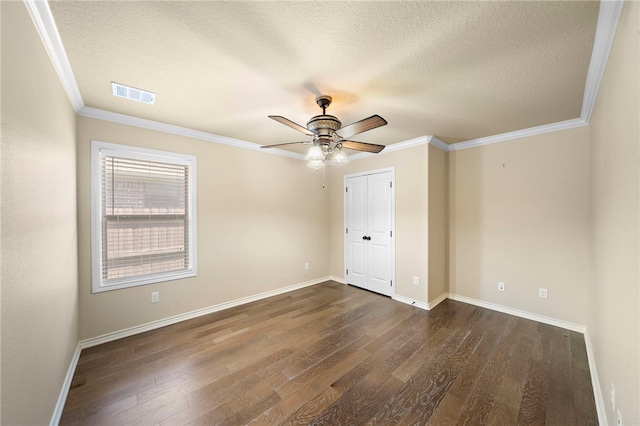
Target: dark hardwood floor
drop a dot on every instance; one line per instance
(332, 354)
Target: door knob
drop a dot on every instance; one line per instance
(366, 238)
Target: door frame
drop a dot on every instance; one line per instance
(393, 221)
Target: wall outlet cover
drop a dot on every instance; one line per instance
(501, 286)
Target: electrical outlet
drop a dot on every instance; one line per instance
(613, 397)
(543, 293)
(306, 266)
(155, 296)
(619, 418)
(501, 286)
(416, 280)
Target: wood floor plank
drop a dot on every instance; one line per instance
(212, 399)
(496, 350)
(332, 354)
(533, 409)
(508, 397)
(310, 410)
(412, 396)
(505, 407)
(560, 395)
(583, 399)
(328, 370)
(425, 352)
(359, 404)
(89, 402)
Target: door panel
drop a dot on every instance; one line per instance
(379, 277)
(357, 195)
(369, 205)
(357, 267)
(378, 192)
(356, 198)
(379, 229)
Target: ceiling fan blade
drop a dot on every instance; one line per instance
(362, 126)
(294, 126)
(362, 146)
(286, 143)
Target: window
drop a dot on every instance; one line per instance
(143, 216)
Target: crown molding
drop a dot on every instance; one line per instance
(438, 143)
(608, 17)
(422, 140)
(532, 131)
(45, 25)
(128, 120)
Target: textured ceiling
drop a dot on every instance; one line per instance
(456, 70)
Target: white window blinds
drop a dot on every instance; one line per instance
(145, 218)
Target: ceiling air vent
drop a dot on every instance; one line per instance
(122, 91)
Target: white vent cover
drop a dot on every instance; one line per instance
(122, 91)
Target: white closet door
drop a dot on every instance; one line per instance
(356, 198)
(379, 232)
(369, 205)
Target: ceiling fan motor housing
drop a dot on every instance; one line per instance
(324, 126)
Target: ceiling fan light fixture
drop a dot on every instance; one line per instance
(315, 164)
(314, 154)
(327, 143)
(339, 157)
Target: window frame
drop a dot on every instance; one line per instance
(98, 151)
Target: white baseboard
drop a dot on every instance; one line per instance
(422, 305)
(437, 301)
(340, 280)
(66, 385)
(109, 337)
(518, 313)
(411, 302)
(595, 381)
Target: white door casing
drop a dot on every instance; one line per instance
(369, 219)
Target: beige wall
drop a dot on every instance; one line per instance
(614, 319)
(39, 238)
(411, 215)
(260, 218)
(438, 223)
(519, 214)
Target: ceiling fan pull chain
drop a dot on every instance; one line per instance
(323, 176)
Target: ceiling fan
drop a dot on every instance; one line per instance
(326, 140)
